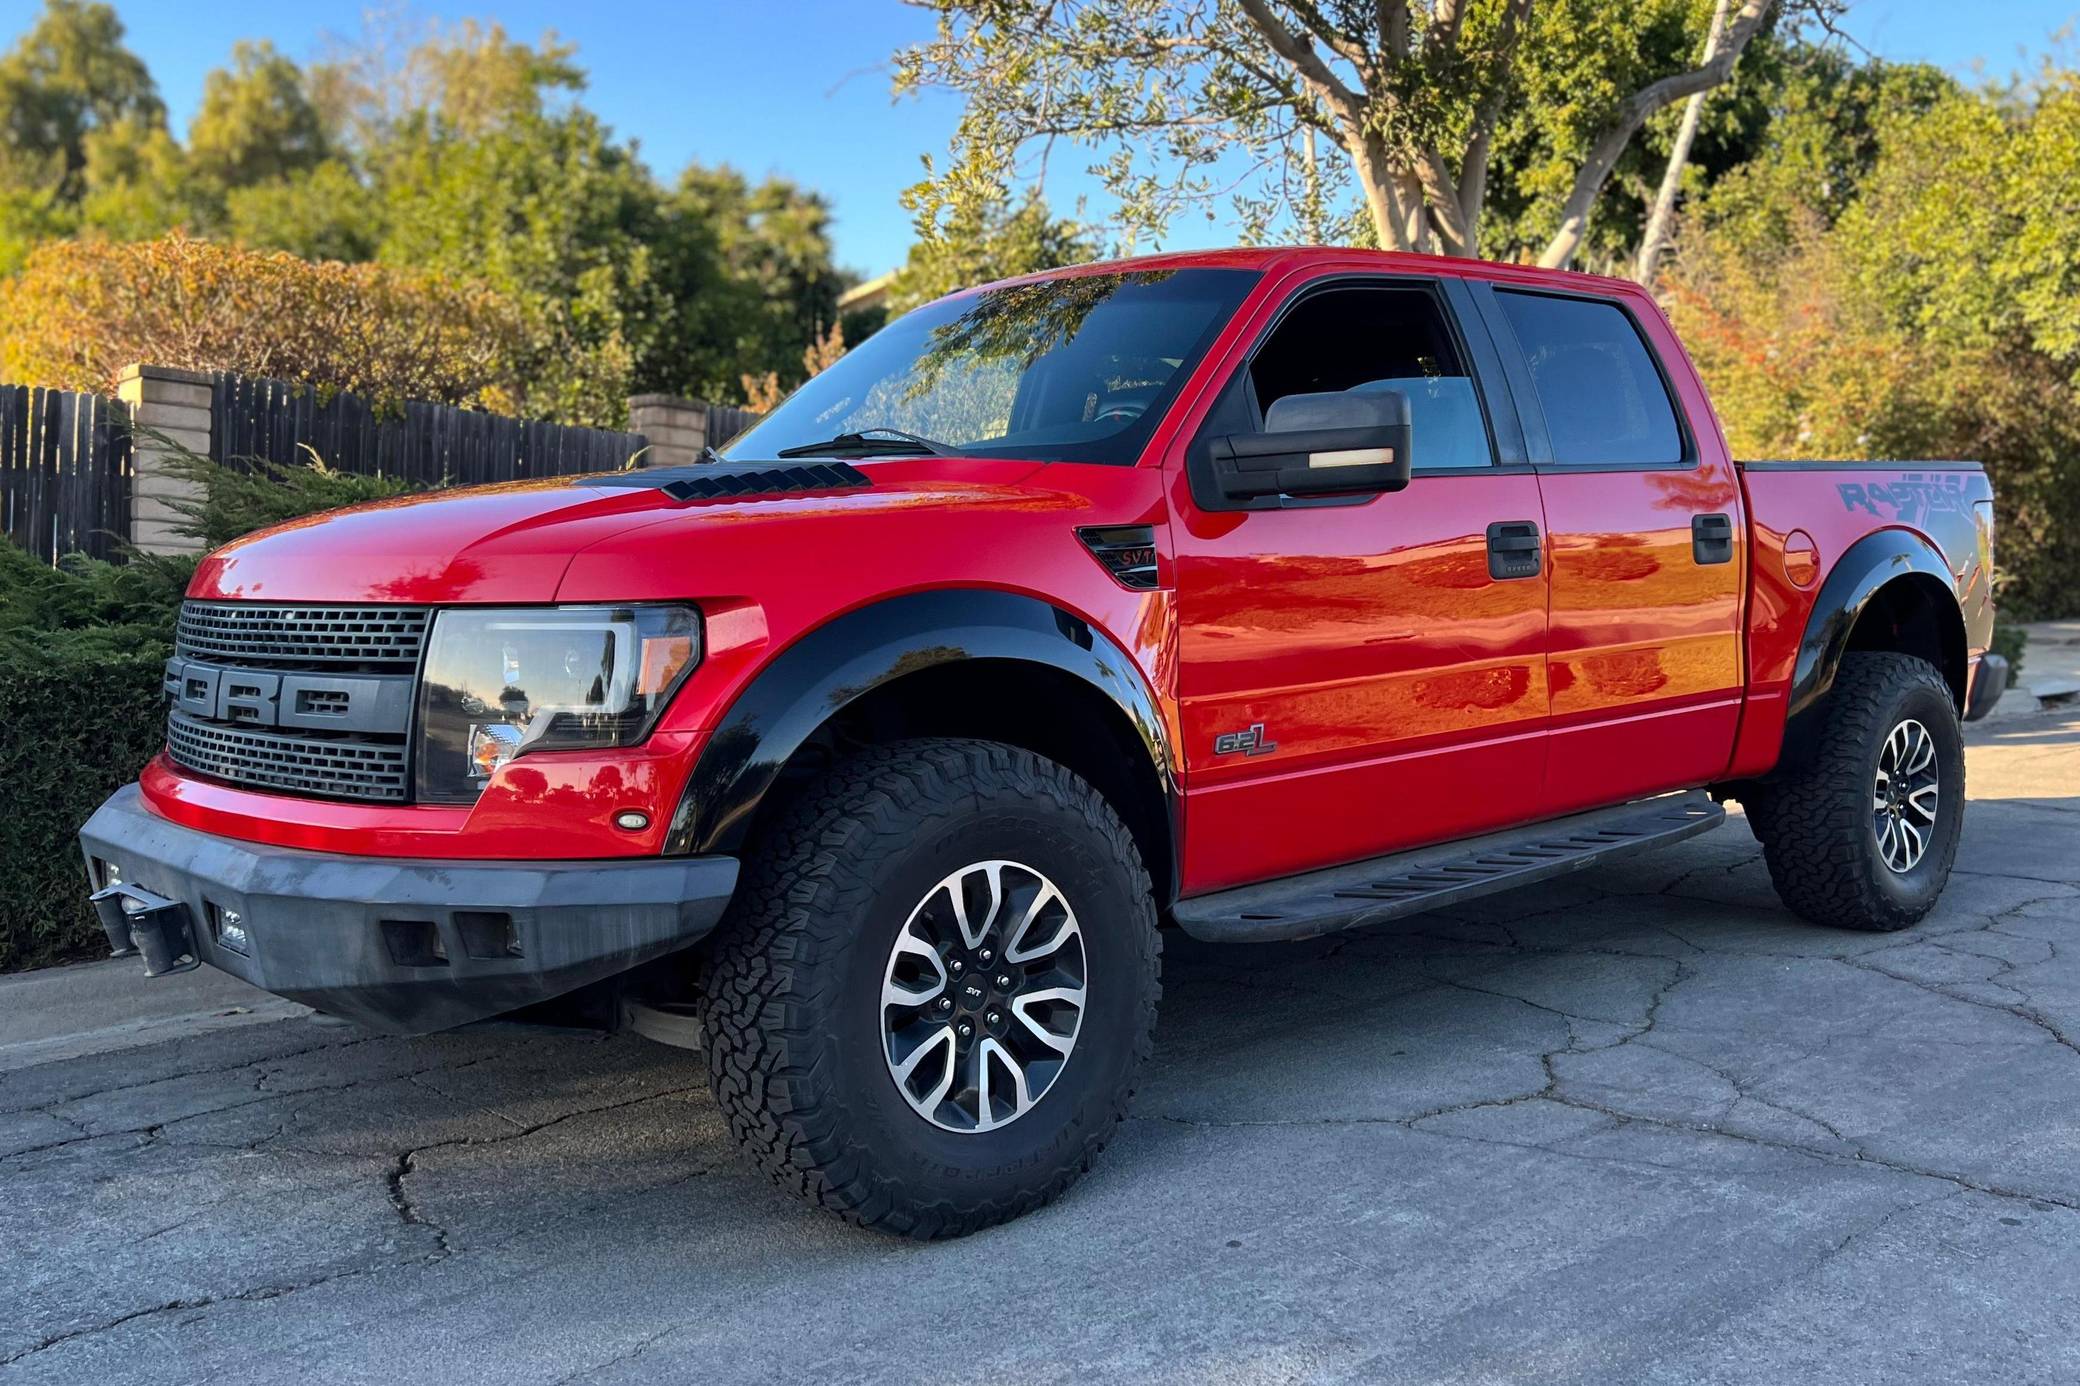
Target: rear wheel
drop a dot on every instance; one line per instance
(1863, 836)
(933, 995)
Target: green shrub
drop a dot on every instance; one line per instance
(80, 311)
(83, 648)
(83, 717)
(237, 500)
(2010, 641)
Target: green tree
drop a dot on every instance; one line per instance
(992, 241)
(481, 173)
(1816, 143)
(552, 213)
(1580, 60)
(747, 270)
(139, 184)
(1183, 99)
(256, 123)
(67, 77)
(29, 216)
(327, 212)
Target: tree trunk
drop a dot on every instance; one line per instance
(1375, 175)
(1656, 237)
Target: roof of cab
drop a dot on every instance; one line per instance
(1268, 258)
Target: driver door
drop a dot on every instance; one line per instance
(1355, 674)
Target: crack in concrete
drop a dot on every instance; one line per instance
(152, 1131)
(407, 1211)
(252, 1296)
(621, 1358)
(1556, 1089)
(1847, 1158)
(403, 1166)
(2020, 1010)
(71, 1098)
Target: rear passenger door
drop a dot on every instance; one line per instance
(1644, 523)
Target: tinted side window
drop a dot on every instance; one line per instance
(1603, 398)
(1367, 338)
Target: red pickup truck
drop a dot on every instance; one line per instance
(1259, 593)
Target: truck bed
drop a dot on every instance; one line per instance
(1823, 509)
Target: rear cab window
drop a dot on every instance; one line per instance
(1604, 399)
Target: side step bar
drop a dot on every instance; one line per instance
(1406, 883)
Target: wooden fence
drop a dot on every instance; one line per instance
(64, 472)
(727, 421)
(68, 473)
(427, 443)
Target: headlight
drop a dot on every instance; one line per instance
(500, 682)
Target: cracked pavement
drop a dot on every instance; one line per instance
(1641, 1125)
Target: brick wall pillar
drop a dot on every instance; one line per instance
(176, 404)
(677, 428)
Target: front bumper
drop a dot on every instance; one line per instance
(406, 946)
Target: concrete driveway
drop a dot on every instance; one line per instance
(1640, 1127)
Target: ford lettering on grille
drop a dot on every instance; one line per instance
(303, 700)
(268, 698)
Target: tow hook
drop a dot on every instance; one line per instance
(139, 923)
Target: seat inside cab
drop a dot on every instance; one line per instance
(1373, 338)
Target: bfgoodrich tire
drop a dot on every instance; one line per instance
(929, 1005)
(1864, 835)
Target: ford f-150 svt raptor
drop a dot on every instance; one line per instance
(1260, 593)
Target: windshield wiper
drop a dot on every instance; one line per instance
(863, 442)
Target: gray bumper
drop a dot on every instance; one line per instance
(407, 946)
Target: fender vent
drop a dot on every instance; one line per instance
(1127, 551)
(717, 481)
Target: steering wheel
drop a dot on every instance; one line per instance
(1121, 410)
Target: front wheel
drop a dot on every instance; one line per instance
(1863, 836)
(931, 1000)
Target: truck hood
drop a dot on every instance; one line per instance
(514, 542)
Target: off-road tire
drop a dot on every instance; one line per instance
(1815, 823)
(790, 1007)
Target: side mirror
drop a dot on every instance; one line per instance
(1315, 445)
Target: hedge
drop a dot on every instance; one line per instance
(80, 311)
(82, 720)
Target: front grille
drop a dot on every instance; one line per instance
(306, 763)
(246, 668)
(321, 700)
(378, 639)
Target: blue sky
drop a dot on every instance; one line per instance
(800, 87)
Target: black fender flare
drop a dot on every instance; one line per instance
(844, 659)
(1866, 568)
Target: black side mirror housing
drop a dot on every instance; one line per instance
(1318, 445)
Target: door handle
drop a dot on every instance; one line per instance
(1711, 538)
(1514, 550)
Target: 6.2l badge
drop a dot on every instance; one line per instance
(1252, 742)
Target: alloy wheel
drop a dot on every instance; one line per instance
(1905, 795)
(983, 996)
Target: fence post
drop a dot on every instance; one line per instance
(176, 404)
(677, 428)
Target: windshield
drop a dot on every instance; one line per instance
(1074, 369)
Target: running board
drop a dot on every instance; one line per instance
(1428, 878)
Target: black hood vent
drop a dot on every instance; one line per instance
(725, 481)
